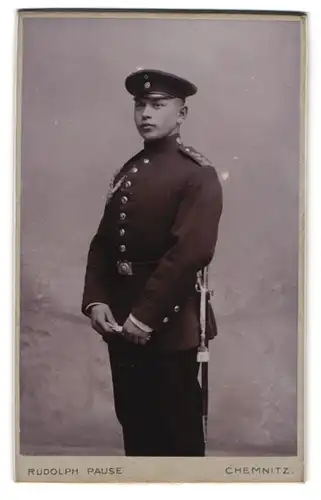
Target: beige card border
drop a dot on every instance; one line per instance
(91, 469)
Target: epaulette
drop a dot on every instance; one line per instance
(196, 156)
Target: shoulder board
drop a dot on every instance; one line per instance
(135, 157)
(195, 155)
(122, 170)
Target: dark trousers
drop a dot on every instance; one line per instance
(157, 400)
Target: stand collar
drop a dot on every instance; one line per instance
(168, 143)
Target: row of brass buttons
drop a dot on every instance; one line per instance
(122, 215)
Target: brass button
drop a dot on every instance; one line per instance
(134, 170)
(122, 216)
(122, 232)
(128, 184)
(176, 309)
(124, 200)
(165, 320)
(122, 248)
(146, 160)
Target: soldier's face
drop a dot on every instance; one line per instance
(158, 117)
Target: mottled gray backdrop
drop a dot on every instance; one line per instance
(77, 129)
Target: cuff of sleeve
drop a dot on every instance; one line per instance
(140, 325)
(87, 308)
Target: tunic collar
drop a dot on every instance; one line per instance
(165, 144)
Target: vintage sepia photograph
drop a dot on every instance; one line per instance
(160, 194)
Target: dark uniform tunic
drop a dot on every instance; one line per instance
(163, 220)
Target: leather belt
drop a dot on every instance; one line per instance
(127, 268)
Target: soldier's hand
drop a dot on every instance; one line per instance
(135, 334)
(102, 319)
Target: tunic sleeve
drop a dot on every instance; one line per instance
(96, 289)
(96, 279)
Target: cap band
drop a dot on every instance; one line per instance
(154, 95)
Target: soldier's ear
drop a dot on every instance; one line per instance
(182, 113)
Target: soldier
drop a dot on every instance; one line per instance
(159, 228)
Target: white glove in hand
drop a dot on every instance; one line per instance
(103, 321)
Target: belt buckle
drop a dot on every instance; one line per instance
(124, 267)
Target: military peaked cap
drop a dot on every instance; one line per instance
(152, 81)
